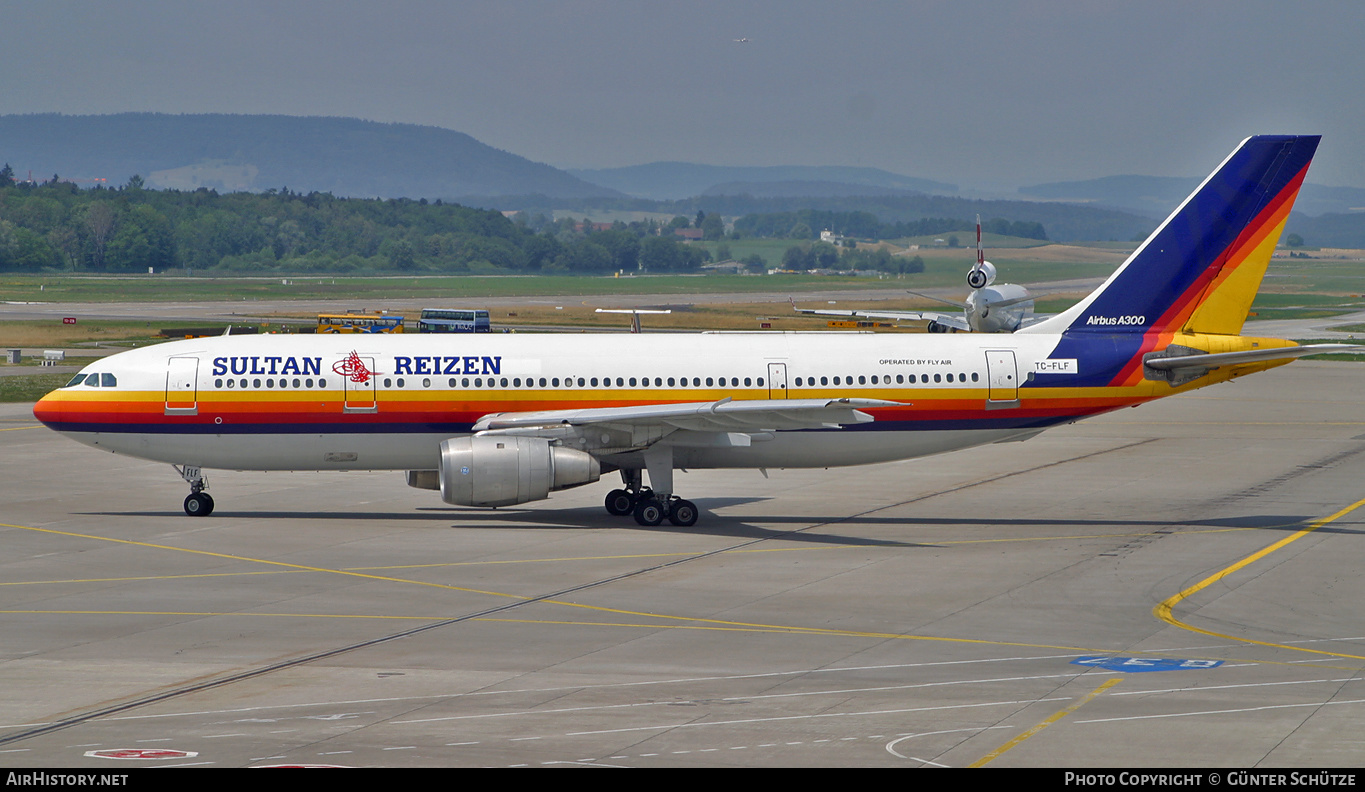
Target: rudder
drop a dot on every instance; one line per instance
(1200, 270)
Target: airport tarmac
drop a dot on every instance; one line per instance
(998, 606)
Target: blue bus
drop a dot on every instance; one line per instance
(453, 320)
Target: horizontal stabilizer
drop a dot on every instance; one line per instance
(1185, 362)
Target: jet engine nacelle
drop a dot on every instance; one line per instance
(503, 470)
(981, 276)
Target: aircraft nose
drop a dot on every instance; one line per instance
(48, 410)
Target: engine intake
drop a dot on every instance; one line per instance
(503, 470)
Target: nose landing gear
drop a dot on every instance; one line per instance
(198, 503)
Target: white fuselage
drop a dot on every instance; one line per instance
(274, 402)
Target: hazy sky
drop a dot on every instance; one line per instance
(983, 94)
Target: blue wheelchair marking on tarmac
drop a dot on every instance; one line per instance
(1136, 665)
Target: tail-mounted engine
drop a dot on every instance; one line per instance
(982, 275)
(502, 470)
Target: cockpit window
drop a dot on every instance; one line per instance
(76, 380)
(93, 380)
(108, 381)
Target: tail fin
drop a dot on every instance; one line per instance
(1199, 271)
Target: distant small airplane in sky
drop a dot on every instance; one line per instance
(740, 40)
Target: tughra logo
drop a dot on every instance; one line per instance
(353, 368)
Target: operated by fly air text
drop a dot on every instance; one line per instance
(497, 420)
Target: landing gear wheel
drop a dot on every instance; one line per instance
(683, 513)
(649, 512)
(199, 504)
(620, 502)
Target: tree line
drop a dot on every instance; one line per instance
(808, 223)
(55, 225)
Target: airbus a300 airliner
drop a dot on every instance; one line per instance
(496, 420)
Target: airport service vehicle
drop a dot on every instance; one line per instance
(497, 420)
(359, 323)
(454, 320)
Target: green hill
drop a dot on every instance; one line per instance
(341, 156)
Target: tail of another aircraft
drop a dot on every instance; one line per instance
(1200, 270)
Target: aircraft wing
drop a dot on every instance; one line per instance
(954, 303)
(950, 320)
(755, 415)
(909, 316)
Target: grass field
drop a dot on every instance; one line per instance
(158, 288)
(30, 388)
(37, 333)
(943, 267)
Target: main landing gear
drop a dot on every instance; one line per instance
(648, 507)
(198, 503)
